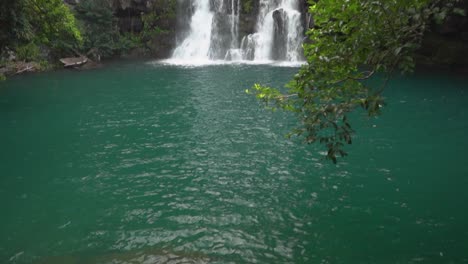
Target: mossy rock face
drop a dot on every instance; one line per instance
(129, 13)
(155, 19)
(161, 46)
(248, 16)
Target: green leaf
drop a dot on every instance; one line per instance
(352, 41)
(459, 11)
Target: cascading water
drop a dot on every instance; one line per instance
(197, 44)
(234, 53)
(279, 33)
(225, 29)
(214, 33)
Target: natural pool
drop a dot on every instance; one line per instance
(148, 163)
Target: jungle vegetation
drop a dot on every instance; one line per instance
(352, 42)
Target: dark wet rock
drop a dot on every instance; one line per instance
(248, 18)
(280, 37)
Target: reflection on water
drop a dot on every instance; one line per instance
(147, 163)
(143, 256)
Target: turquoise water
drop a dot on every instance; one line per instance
(146, 163)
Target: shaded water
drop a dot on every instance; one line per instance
(146, 163)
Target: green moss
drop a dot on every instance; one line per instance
(247, 6)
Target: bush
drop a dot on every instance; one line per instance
(99, 26)
(28, 52)
(47, 23)
(129, 41)
(44, 65)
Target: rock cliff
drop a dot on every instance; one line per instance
(446, 44)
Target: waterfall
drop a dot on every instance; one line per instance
(234, 53)
(196, 45)
(225, 29)
(235, 13)
(214, 33)
(279, 33)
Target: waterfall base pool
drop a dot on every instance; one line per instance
(147, 163)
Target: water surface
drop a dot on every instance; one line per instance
(146, 163)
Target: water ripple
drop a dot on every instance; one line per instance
(160, 164)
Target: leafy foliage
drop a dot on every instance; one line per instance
(99, 26)
(30, 26)
(155, 23)
(352, 41)
(28, 52)
(41, 22)
(151, 28)
(54, 24)
(14, 22)
(101, 31)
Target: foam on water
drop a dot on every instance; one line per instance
(201, 63)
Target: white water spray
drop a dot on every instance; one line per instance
(214, 33)
(197, 44)
(279, 32)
